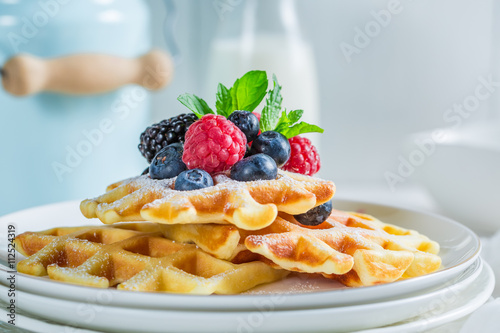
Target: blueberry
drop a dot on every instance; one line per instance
(192, 180)
(145, 172)
(255, 167)
(247, 122)
(315, 216)
(273, 144)
(168, 162)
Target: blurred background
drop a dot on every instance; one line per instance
(405, 90)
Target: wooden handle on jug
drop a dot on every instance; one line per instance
(85, 73)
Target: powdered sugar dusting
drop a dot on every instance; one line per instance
(164, 188)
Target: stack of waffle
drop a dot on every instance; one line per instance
(224, 239)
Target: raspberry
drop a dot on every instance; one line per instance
(304, 158)
(257, 114)
(213, 144)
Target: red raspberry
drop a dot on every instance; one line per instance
(257, 114)
(213, 144)
(304, 158)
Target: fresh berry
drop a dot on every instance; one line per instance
(273, 144)
(257, 114)
(304, 158)
(145, 172)
(213, 144)
(167, 163)
(247, 151)
(258, 118)
(247, 122)
(192, 180)
(315, 216)
(166, 132)
(255, 167)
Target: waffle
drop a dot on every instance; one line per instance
(355, 249)
(247, 205)
(135, 257)
(221, 241)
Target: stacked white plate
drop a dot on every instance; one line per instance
(294, 305)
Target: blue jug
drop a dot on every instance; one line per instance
(55, 146)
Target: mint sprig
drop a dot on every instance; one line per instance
(195, 104)
(249, 90)
(275, 118)
(289, 126)
(224, 101)
(272, 110)
(246, 94)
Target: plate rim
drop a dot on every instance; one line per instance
(486, 269)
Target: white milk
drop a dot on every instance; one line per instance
(291, 59)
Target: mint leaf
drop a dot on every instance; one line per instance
(295, 115)
(249, 90)
(283, 123)
(271, 112)
(234, 98)
(195, 104)
(300, 128)
(224, 101)
(288, 126)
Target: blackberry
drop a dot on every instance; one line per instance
(166, 132)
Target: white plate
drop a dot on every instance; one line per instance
(450, 308)
(459, 248)
(25, 322)
(455, 305)
(337, 319)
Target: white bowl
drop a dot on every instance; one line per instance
(462, 173)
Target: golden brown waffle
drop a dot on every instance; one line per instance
(131, 257)
(356, 249)
(248, 205)
(353, 248)
(221, 241)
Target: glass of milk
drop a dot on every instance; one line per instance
(265, 35)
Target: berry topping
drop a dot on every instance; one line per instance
(258, 118)
(168, 162)
(255, 167)
(247, 122)
(213, 144)
(247, 151)
(304, 158)
(257, 115)
(166, 132)
(273, 144)
(192, 180)
(315, 216)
